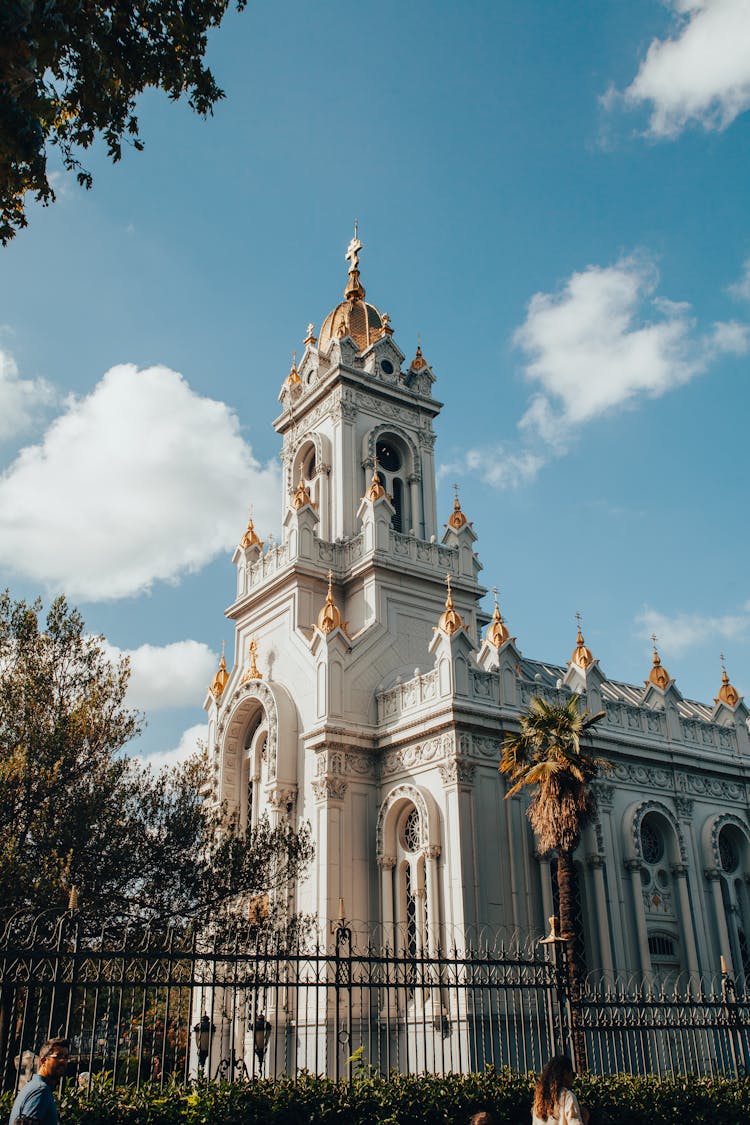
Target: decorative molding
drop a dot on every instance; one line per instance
(684, 806)
(406, 758)
(605, 793)
(457, 771)
(595, 860)
(679, 870)
(386, 862)
(656, 806)
(330, 789)
(433, 851)
(632, 865)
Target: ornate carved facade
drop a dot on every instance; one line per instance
(377, 710)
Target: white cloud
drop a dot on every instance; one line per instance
(142, 480)
(188, 744)
(702, 74)
(20, 399)
(164, 676)
(740, 290)
(604, 340)
(678, 633)
(497, 465)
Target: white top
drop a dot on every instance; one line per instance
(568, 1111)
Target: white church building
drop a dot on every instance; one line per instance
(371, 688)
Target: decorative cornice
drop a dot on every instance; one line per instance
(457, 772)
(330, 789)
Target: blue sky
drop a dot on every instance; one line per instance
(553, 197)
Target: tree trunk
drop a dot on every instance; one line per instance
(566, 887)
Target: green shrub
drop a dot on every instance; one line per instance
(619, 1099)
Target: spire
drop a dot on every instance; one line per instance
(250, 539)
(293, 376)
(310, 338)
(419, 360)
(301, 496)
(497, 634)
(355, 290)
(329, 617)
(219, 681)
(253, 672)
(658, 675)
(582, 656)
(375, 490)
(456, 519)
(450, 621)
(727, 693)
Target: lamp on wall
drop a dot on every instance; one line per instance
(203, 1032)
(261, 1035)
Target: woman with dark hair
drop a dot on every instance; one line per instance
(554, 1100)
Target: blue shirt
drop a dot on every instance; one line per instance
(37, 1101)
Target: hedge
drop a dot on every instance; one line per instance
(619, 1099)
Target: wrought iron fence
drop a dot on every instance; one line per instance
(141, 1005)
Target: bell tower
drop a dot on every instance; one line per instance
(351, 406)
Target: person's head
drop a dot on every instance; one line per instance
(557, 1075)
(483, 1117)
(53, 1058)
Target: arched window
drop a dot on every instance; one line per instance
(732, 848)
(658, 846)
(255, 742)
(393, 465)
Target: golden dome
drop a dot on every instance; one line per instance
(301, 496)
(250, 539)
(658, 675)
(419, 360)
(727, 693)
(329, 617)
(582, 656)
(497, 634)
(354, 316)
(375, 490)
(293, 376)
(219, 681)
(450, 621)
(457, 519)
(253, 672)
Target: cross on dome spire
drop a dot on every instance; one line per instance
(355, 290)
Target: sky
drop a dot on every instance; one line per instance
(552, 199)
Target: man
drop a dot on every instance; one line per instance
(36, 1102)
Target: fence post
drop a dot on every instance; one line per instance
(736, 1036)
(562, 1028)
(343, 936)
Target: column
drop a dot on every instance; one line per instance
(596, 863)
(545, 876)
(416, 521)
(743, 897)
(432, 854)
(633, 866)
(713, 874)
(386, 863)
(680, 873)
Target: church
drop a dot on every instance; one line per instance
(372, 684)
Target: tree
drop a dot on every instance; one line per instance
(546, 757)
(76, 811)
(71, 70)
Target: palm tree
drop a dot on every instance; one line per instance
(546, 756)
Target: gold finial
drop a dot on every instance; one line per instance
(354, 290)
(310, 338)
(385, 325)
(497, 634)
(301, 496)
(73, 898)
(375, 490)
(450, 620)
(329, 617)
(456, 519)
(250, 539)
(582, 656)
(419, 360)
(219, 681)
(727, 692)
(293, 376)
(658, 675)
(253, 672)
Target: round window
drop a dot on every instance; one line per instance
(728, 852)
(652, 842)
(386, 367)
(411, 831)
(388, 457)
